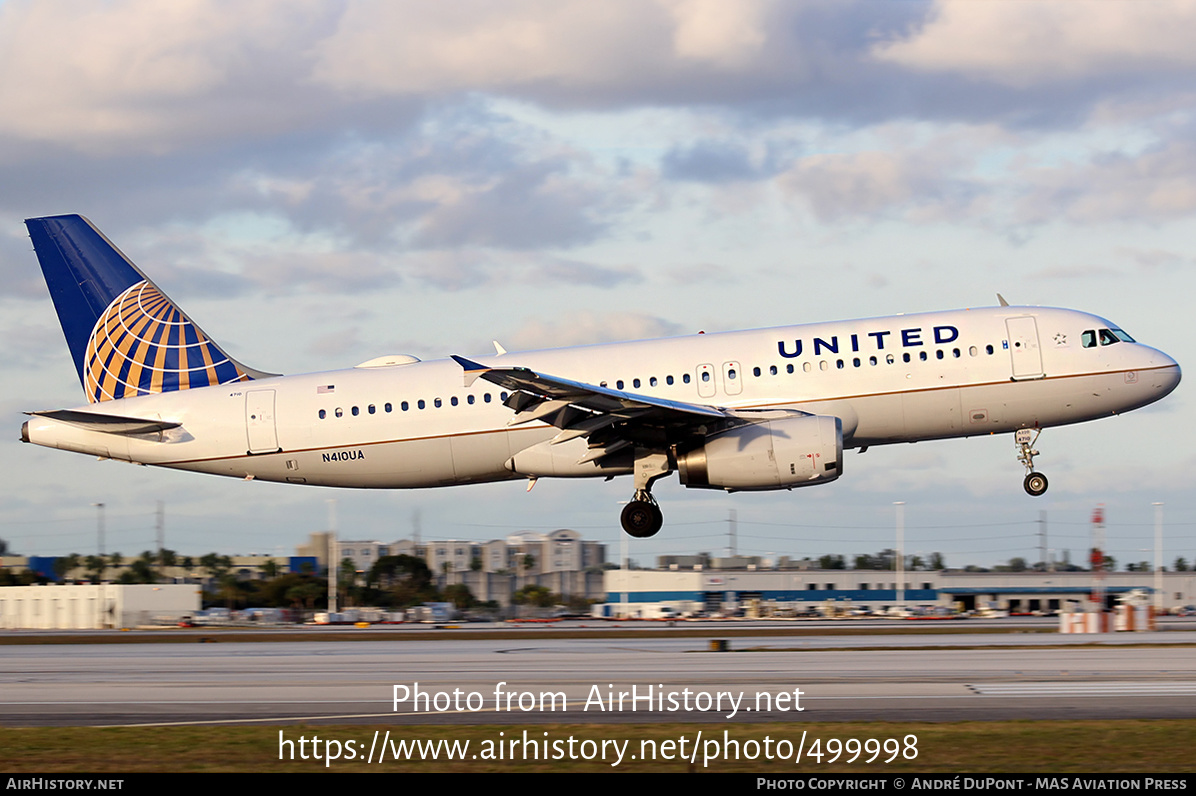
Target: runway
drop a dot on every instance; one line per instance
(529, 679)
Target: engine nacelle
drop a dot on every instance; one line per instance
(772, 454)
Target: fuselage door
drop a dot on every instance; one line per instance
(259, 421)
(705, 376)
(1024, 352)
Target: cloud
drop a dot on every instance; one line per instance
(95, 77)
(1028, 44)
(714, 162)
(921, 184)
(1154, 186)
(587, 327)
(528, 206)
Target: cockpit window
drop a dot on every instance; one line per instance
(1122, 336)
(1089, 338)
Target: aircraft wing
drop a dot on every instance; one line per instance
(610, 419)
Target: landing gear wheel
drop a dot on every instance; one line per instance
(1035, 484)
(641, 519)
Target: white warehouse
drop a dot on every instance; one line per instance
(106, 605)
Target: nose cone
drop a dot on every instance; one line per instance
(1165, 374)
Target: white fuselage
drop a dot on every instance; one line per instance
(896, 379)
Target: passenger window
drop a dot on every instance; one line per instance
(939, 354)
(323, 414)
(756, 372)
(453, 400)
(905, 357)
(789, 368)
(635, 383)
(989, 349)
(705, 375)
(486, 397)
(652, 382)
(685, 378)
(469, 400)
(371, 409)
(973, 351)
(855, 362)
(772, 370)
(731, 374)
(340, 412)
(356, 411)
(823, 366)
(619, 384)
(668, 380)
(404, 406)
(871, 360)
(806, 367)
(890, 359)
(437, 402)
(388, 408)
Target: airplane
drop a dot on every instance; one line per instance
(756, 410)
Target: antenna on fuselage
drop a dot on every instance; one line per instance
(1001, 299)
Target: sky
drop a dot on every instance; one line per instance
(320, 183)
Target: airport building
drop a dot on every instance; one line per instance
(561, 561)
(94, 607)
(755, 591)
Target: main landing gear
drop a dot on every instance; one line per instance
(1035, 483)
(641, 517)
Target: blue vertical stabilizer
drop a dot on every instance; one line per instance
(126, 337)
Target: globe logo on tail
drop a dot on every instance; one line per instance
(143, 344)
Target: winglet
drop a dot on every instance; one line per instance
(498, 349)
(472, 369)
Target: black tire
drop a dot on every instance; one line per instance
(1035, 484)
(641, 519)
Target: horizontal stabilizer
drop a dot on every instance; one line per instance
(108, 424)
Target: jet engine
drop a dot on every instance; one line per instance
(778, 453)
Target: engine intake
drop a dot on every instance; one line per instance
(771, 454)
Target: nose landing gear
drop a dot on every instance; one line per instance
(1035, 483)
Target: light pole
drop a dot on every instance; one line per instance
(99, 526)
(1158, 557)
(900, 506)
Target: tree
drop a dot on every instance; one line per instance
(63, 565)
(460, 596)
(346, 581)
(536, 595)
(406, 578)
(936, 562)
(832, 562)
(95, 567)
(1181, 565)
